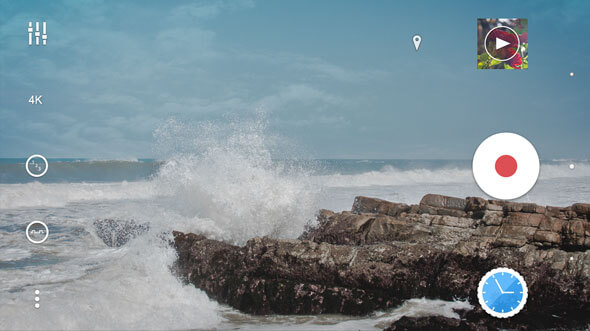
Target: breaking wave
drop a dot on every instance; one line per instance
(392, 176)
(37, 194)
(226, 177)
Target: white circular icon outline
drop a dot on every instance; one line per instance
(525, 292)
(42, 158)
(486, 175)
(485, 43)
(37, 241)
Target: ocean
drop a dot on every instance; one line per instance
(227, 192)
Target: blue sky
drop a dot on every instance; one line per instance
(341, 79)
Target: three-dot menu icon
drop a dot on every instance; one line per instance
(37, 305)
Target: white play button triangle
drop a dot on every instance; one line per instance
(501, 43)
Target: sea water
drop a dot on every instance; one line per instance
(225, 183)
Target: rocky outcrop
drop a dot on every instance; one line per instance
(444, 221)
(292, 276)
(382, 253)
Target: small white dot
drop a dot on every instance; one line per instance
(572, 166)
(572, 74)
(37, 292)
(37, 299)
(571, 258)
(37, 305)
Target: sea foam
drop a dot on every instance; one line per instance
(227, 176)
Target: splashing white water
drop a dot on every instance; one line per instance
(226, 177)
(61, 194)
(219, 180)
(97, 288)
(418, 307)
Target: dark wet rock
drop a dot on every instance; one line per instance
(116, 233)
(287, 276)
(383, 253)
(475, 323)
(478, 320)
(435, 323)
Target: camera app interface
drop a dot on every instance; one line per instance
(294, 165)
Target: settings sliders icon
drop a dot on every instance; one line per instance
(40, 35)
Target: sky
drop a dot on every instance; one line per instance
(341, 79)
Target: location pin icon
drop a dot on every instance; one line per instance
(417, 40)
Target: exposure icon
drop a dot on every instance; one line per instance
(37, 232)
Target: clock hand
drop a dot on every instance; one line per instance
(502, 291)
(509, 292)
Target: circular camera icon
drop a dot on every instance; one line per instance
(37, 232)
(36, 165)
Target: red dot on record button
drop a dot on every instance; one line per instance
(506, 166)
